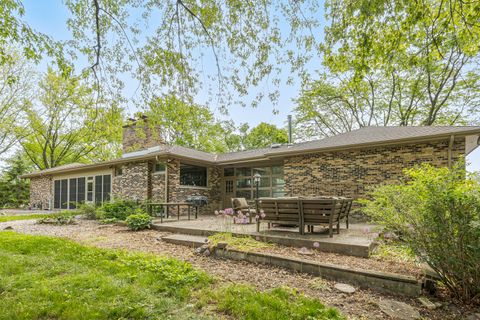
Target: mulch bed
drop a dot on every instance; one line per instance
(363, 304)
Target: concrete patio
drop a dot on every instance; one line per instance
(358, 240)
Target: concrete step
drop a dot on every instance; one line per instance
(185, 240)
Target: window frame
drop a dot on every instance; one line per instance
(193, 186)
(155, 171)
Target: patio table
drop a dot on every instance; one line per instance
(152, 205)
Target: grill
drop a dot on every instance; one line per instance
(198, 201)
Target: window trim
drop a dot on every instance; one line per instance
(164, 171)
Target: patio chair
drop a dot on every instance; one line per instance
(322, 211)
(241, 204)
(281, 210)
(345, 211)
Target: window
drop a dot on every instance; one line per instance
(118, 171)
(272, 181)
(159, 167)
(68, 193)
(73, 194)
(193, 175)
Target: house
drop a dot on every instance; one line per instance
(344, 165)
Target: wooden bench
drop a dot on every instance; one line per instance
(326, 211)
(280, 210)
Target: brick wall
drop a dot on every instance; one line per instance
(133, 184)
(141, 135)
(179, 193)
(41, 194)
(350, 173)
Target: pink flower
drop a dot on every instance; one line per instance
(366, 230)
(229, 211)
(247, 214)
(263, 215)
(261, 211)
(257, 217)
(316, 244)
(216, 212)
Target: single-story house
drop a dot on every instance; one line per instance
(344, 165)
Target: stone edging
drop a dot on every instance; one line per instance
(380, 281)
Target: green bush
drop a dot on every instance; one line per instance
(117, 210)
(436, 211)
(138, 221)
(88, 210)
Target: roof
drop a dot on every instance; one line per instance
(366, 136)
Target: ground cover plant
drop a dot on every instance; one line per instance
(52, 278)
(436, 213)
(28, 216)
(61, 218)
(238, 242)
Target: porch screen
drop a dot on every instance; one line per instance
(68, 193)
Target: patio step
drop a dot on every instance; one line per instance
(185, 240)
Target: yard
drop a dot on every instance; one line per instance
(101, 280)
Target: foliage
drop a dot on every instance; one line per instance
(138, 221)
(234, 45)
(69, 125)
(242, 243)
(395, 251)
(88, 210)
(245, 302)
(62, 218)
(394, 63)
(187, 124)
(14, 191)
(16, 89)
(46, 277)
(436, 211)
(261, 136)
(117, 210)
(27, 216)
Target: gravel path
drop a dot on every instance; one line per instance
(360, 305)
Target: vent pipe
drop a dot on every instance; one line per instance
(290, 140)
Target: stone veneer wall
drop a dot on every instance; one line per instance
(133, 184)
(41, 194)
(177, 193)
(158, 187)
(351, 172)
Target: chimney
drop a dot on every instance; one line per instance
(138, 134)
(290, 140)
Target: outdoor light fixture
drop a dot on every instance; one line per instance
(256, 179)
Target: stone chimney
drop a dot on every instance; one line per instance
(138, 134)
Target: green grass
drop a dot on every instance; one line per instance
(244, 302)
(29, 216)
(242, 243)
(52, 278)
(393, 251)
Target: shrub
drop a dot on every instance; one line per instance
(116, 210)
(436, 212)
(138, 221)
(88, 210)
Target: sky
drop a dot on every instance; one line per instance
(49, 17)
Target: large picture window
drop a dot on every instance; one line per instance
(193, 175)
(271, 183)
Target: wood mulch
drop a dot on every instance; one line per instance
(363, 304)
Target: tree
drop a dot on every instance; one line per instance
(187, 124)
(395, 63)
(16, 88)
(69, 124)
(261, 136)
(14, 191)
(176, 45)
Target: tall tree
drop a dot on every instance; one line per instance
(261, 136)
(69, 124)
(187, 124)
(16, 89)
(395, 63)
(14, 191)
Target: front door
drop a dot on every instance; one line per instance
(228, 191)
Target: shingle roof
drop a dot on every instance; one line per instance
(357, 138)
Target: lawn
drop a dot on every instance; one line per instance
(52, 278)
(29, 216)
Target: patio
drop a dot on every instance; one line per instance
(358, 240)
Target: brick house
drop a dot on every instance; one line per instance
(346, 164)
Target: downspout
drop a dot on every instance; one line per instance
(450, 146)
